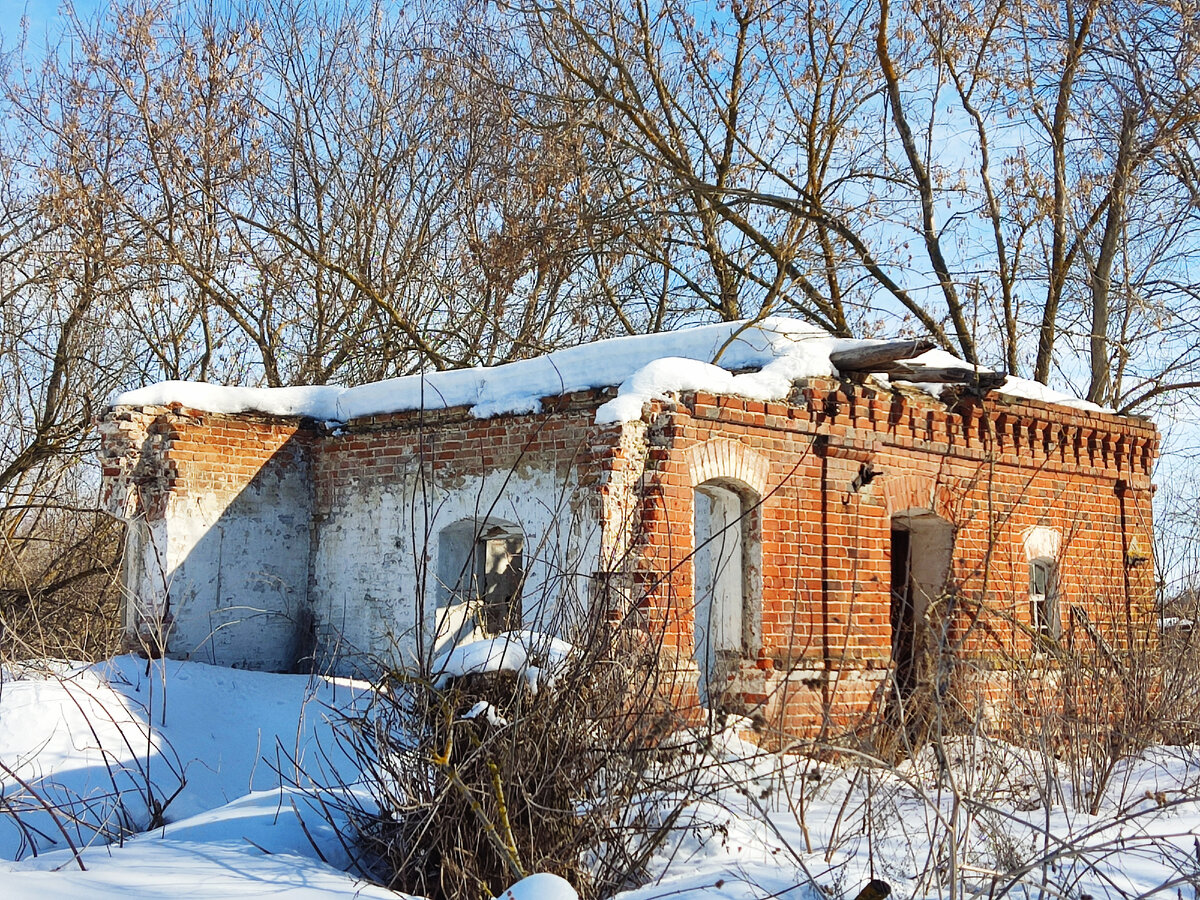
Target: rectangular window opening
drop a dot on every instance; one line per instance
(1043, 597)
(500, 573)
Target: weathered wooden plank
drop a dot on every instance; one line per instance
(868, 359)
(944, 375)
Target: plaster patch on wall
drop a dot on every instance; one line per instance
(1041, 541)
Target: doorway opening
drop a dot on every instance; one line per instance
(922, 545)
(727, 612)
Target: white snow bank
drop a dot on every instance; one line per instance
(82, 733)
(1033, 390)
(527, 652)
(318, 402)
(518, 387)
(788, 827)
(108, 742)
(760, 361)
(773, 381)
(154, 869)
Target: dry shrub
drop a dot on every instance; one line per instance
(932, 698)
(486, 779)
(1117, 700)
(1178, 648)
(59, 596)
(1103, 693)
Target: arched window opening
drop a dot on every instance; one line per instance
(726, 563)
(1043, 597)
(481, 573)
(500, 573)
(1042, 548)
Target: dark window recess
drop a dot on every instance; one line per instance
(500, 573)
(1043, 597)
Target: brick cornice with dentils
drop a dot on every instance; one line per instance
(1024, 432)
(1047, 435)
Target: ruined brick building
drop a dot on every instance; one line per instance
(794, 528)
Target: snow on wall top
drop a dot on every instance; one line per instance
(777, 351)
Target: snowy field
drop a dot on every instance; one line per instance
(190, 781)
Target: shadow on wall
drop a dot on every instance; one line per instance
(299, 553)
(218, 556)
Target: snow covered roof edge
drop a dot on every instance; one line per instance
(760, 361)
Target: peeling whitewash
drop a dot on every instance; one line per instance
(225, 575)
(246, 547)
(385, 551)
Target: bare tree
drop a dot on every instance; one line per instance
(730, 149)
(278, 191)
(272, 193)
(62, 261)
(1010, 177)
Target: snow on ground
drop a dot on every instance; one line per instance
(212, 748)
(975, 818)
(157, 867)
(756, 360)
(219, 748)
(217, 734)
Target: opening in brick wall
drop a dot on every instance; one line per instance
(1042, 545)
(1043, 597)
(921, 548)
(481, 573)
(726, 561)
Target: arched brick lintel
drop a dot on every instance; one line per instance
(913, 490)
(726, 460)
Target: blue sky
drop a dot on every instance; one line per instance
(44, 17)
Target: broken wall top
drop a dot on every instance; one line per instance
(756, 360)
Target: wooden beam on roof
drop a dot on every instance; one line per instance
(982, 379)
(874, 357)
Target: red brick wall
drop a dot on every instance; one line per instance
(174, 450)
(451, 443)
(991, 468)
